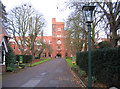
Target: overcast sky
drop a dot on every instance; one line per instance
(47, 7)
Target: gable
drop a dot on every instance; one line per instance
(4, 43)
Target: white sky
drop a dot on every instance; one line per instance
(47, 7)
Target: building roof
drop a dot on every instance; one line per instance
(2, 33)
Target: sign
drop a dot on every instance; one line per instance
(20, 59)
(73, 60)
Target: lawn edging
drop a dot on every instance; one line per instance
(39, 62)
(70, 64)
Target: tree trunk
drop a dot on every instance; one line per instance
(33, 52)
(113, 36)
(113, 39)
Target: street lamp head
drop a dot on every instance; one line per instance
(88, 13)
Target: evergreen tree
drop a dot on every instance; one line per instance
(10, 59)
(3, 15)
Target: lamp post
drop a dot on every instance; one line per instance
(71, 48)
(88, 13)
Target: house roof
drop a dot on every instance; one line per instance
(2, 33)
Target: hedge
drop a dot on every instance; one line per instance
(26, 58)
(105, 65)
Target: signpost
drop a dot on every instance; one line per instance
(20, 59)
(73, 60)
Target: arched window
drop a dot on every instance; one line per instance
(59, 42)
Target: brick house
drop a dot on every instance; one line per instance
(3, 46)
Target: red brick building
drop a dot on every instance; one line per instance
(55, 44)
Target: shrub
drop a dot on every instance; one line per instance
(26, 58)
(104, 44)
(82, 72)
(105, 64)
(10, 59)
(68, 57)
(75, 67)
(37, 57)
(93, 79)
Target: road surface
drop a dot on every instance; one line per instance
(54, 73)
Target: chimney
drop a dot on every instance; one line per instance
(53, 20)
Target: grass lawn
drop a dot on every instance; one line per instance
(69, 61)
(39, 62)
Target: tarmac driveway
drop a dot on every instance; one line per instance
(54, 73)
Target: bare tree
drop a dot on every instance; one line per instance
(25, 23)
(76, 23)
(76, 30)
(112, 12)
(35, 28)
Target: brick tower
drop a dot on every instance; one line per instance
(58, 44)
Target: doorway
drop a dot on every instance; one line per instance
(59, 55)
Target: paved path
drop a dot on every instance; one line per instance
(54, 73)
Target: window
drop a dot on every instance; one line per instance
(44, 41)
(119, 43)
(38, 47)
(0, 58)
(59, 36)
(2, 55)
(19, 42)
(118, 32)
(49, 54)
(39, 42)
(59, 29)
(66, 54)
(25, 48)
(49, 42)
(58, 48)
(59, 42)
